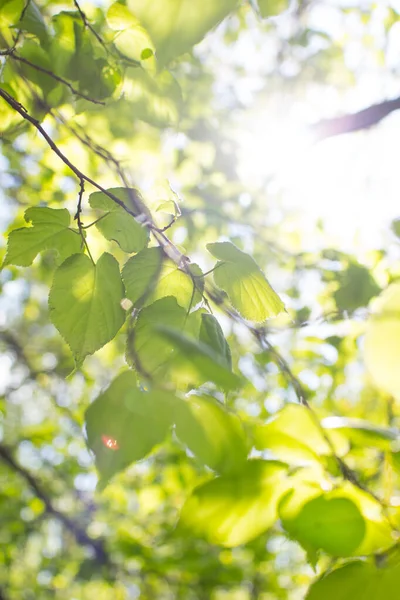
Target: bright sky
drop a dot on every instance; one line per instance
(350, 182)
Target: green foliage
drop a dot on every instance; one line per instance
(149, 276)
(124, 423)
(382, 343)
(294, 436)
(115, 223)
(271, 8)
(331, 524)
(358, 580)
(176, 26)
(227, 452)
(50, 230)
(356, 287)
(233, 509)
(214, 434)
(202, 363)
(212, 335)
(362, 433)
(85, 303)
(239, 276)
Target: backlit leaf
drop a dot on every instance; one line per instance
(331, 524)
(239, 276)
(35, 54)
(293, 435)
(124, 423)
(382, 341)
(117, 224)
(214, 434)
(358, 580)
(177, 25)
(85, 303)
(317, 520)
(149, 276)
(212, 335)
(271, 8)
(232, 510)
(195, 356)
(362, 433)
(146, 348)
(50, 229)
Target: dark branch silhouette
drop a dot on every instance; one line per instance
(79, 533)
(357, 121)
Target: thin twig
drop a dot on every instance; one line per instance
(77, 218)
(282, 364)
(81, 176)
(96, 221)
(12, 54)
(88, 25)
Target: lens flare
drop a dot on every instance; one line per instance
(110, 442)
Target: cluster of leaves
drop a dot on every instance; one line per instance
(182, 382)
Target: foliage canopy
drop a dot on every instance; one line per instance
(175, 421)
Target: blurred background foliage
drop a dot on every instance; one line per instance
(217, 142)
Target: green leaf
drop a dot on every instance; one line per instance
(51, 229)
(119, 17)
(239, 276)
(212, 335)
(177, 25)
(35, 54)
(212, 433)
(153, 99)
(382, 341)
(308, 501)
(362, 433)
(293, 435)
(358, 580)
(10, 11)
(232, 510)
(271, 8)
(140, 275)
(195, 356)
(67, 26)
(124, 424)
(85, 303)
(356, 287)
(334, 525)
(117, 224)
(149, 276)
(146, 348)
(379, 535)
(33, 22)
(396, 227)
(131, 39)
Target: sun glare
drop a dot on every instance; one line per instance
(270, 147)
(349, 182)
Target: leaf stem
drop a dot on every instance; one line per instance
(78, 218)
(96, 221)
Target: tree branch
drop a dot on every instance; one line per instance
(88, 25)
(139, 209)
(12, 53)
(81, 176)
(355, 121)
(79, 533)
